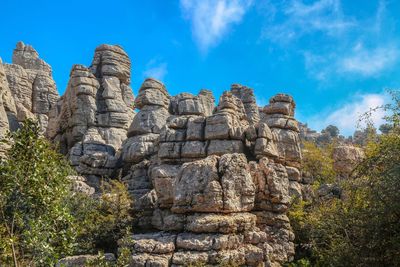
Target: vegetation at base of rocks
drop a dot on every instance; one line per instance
(41, 218)
(318, 163)
(362, 228)
(102, 220)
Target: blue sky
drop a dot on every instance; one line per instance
(336, 57)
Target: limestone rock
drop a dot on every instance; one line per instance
(188, 104)
(214, 185)
(246, 94)
(346, 158)
(32, 86)
(91, 120)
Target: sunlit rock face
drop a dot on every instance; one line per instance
(212, 183)
(345, 159)
(30, 84)
(91, 120)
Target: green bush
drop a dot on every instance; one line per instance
(103, 220)
(318, 162)
(35, 225)
(362, 228)
(41, 218)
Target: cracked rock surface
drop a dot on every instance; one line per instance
(212, 182)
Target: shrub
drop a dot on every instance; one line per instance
(35, 225)
(41, 218)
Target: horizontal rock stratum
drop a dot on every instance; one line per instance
(212, 182)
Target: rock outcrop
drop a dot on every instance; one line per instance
(8, 111)
(91, 119)
(32, 86)
(345, 159)
(212, 184)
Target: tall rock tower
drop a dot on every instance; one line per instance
(91, 119)
(32, 86)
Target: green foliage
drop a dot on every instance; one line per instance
(103, 220)
(299, 263)
(362, 228)
(41, 218)
(332, 130)
(35, 225)
(318, 162)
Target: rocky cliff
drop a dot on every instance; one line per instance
(212, 182)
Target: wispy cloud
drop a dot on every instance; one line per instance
(369, 62)
(359, 61)
(212, 19)
(347, 116)
(299, 19)
(347, 46)
(156, 69)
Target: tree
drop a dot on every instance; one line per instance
(362, 228)
(35, 224)
(332, 130)
(102, 221)
(385, 128)
(41, 218)
(318, 162)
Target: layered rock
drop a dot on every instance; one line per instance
(279, 115)
(141, 147)
(31, 84)
(246, 95)
(210, 179)
(91, 120)
(212, 184)
(8, 111)
(345, 159)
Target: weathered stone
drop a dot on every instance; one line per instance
(194, 149)
(149, 120)
(165, 220)
(188, 104)
(221, 147)
(79, 185)
(163, 178)
(237, 184)
(197, 187)
(154, 243)
(195, 129)
(249, 102)
(220, 223)
(185, 162)
(31, 84)
(346, 158)
(139, 147)
(149, 260)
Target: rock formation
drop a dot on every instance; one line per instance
(212, 183)
(91, 119)
(8, 111)
(32, 86)
(345, 159)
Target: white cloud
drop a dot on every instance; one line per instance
(360, 61)
(337, 44)
(369, 62)
(212, 19)
(156, 69)
(347, 116)
(324, 16)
